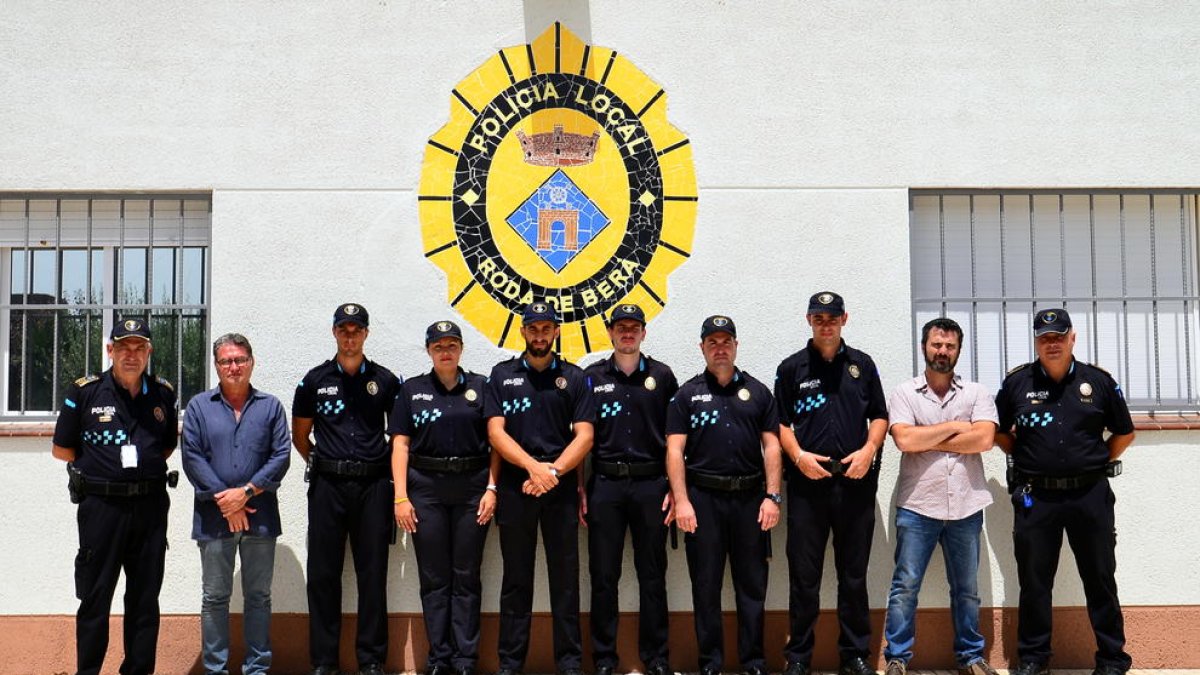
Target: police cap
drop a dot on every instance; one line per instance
(538, 311)
(442, 329)
(127, 328)
(351, 313)
(622, 312)
(826, 302)
(1051, 321)
(718, 323)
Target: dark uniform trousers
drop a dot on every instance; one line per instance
(727, 527)
(615, 504)
(116, 533)
(449, 545)
(361, 508)
(519, 516)
(845, 508)
(1086, 515)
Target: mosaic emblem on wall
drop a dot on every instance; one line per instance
(559, 179)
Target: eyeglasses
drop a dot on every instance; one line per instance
(237, 361)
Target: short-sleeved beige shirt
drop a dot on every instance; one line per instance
(936, 484)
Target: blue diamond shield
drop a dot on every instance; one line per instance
(558, 221)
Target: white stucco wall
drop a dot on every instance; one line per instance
(808, 123)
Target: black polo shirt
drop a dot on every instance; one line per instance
(724, 425)
(539, 407)
(1059, 426)
(442, 422)
(829, 404)
(631, 410)
(348, 410)
(98, 417)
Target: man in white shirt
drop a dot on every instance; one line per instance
(941, 424)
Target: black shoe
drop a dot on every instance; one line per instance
(755, 670)
(438, 670)
(371, 669)
(1108, 670)
(795, 668)
(656, 669)
(325, 670)
(1030, 668)
(508, 671)
(855, 666)
(604, 670)
(464, 670)
(709, 670)
(573, 671)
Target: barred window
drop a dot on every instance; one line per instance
(1123, 263)
(71, 264)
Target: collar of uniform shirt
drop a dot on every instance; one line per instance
(612, 364)
(524, 365)
(437, 381)
(712, 379)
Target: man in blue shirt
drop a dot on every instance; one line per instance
(235, 452)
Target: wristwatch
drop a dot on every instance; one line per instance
(249, 490)
(775, 497)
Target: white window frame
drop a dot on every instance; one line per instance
(1138, 316)
(166, 214)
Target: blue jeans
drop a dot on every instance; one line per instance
(916, 535)
(216, 569)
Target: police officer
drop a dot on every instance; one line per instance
(344, 402)
(722, 451)
(116, 431)
(540, 419)
(628, 490)
(445, 495)
(834, 416)
(1053, 414)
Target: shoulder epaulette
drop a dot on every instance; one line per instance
(1101, 369)
(86, 380)
(1018, 368)
(164, 383)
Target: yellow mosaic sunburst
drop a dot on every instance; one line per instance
(559, 179)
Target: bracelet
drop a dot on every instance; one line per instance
(491, 486)
(399, 500)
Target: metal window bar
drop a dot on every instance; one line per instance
(1151, 394)
(106, 307)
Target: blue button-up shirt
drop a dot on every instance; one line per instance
(222, 452)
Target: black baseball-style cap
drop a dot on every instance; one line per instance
(826, 302)
(1051, 321)
(442, 329)
(538, 311)
(127, 328)
(623, 312)
(718, 323)
(351, 313)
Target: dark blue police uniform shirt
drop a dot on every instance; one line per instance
(631, 410)
(539, 407)
(98, 416)
(723, 424)
(222, 452)
(829, 404)
(349, 410)
(1059, 426)
(441, 422)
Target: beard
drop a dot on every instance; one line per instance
(945, 365)
(538, 352)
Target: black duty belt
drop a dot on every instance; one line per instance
(136, 488)
(449, 464)
(833, 466)
(546, 458)
(351, 469)
(1061, 482)
(628, 469)
(726, 483)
